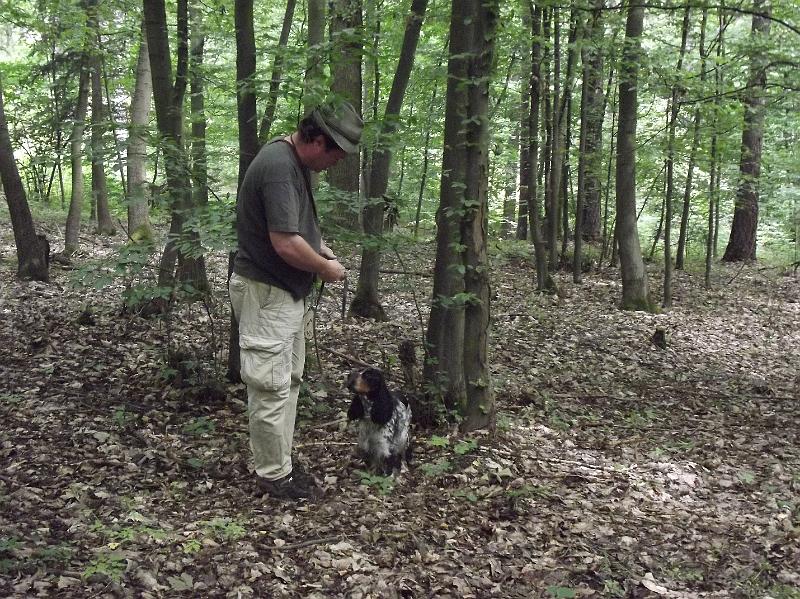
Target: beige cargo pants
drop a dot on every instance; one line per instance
(273, 351)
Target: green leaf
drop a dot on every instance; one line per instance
(437, 441)
(561, 592)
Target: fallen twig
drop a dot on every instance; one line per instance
(301, 544)
(350, 359)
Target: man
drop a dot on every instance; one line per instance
(280, 253)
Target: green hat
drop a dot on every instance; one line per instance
(341, 123)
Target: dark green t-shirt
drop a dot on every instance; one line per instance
(274, 197)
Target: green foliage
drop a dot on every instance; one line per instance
(384, 484)
(561, 592)
(437, 441)
(442, 466)
(122, 418)
(10, 399)
(465, 446)
(224, 529)
(107, 564)
(202, 425)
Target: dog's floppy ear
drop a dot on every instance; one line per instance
(356, 409)
(374, 379)
(382, 405)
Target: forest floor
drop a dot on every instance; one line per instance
(616, 469)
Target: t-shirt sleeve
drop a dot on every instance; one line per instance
(281, 207)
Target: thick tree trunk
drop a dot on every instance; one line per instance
(346, 54)
(594, 111)
(479, 411)
(635, 292)
(139, 228)
(32, 250)
(742, 242)
(457, 336)
(248, 137)
(313, 92)
(105, 226)
(73, 226)
(366, 302)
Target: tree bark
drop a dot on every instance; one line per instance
(544, 282)
(525, 142)
(366, 302)
(742, 241)
(556, 151)
(635, 292)
(139, 228)
(32, 251)
(248, 138)
(105, 226)
(675, 104)
(594, 110)
(346, 54)
(73, 226)
(457, 334)
(169, 116)
(313, 92)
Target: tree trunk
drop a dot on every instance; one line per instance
(366, 302)
(192, 267)
(635, 292)
(575, 32)
(742, 242)
(458, 326)
(544, 281)
(169, 114)
(73, 226)
(594, 111)
(556, 152)
(680, 253)
(277, 73)
(248, 138)
(32, 250)
(426, 152)
(525, 143)
(139, 228)
(313, 92)
(346, 53)
(105, 226)
(675, 104)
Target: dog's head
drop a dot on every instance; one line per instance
(366, 381)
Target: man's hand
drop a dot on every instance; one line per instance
(326, 252)
(333, 271)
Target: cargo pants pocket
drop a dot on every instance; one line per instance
(266, 363)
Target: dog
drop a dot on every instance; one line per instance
(383, 433)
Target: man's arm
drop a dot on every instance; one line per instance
(296, 251)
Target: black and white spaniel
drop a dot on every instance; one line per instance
(383, 432)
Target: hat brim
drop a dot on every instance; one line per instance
(340, 140)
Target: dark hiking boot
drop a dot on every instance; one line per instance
(289, 487)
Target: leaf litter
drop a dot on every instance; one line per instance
(616, 468)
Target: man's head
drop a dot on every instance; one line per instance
(331, 131)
